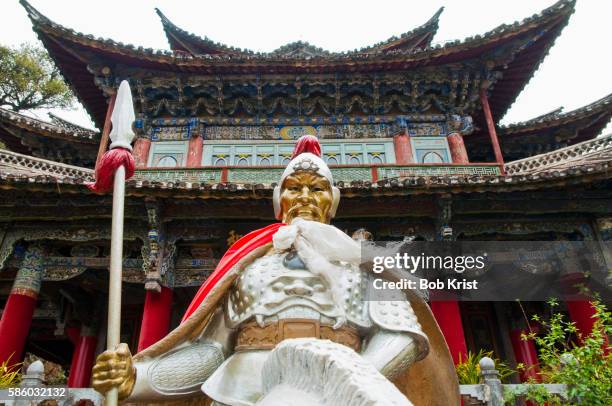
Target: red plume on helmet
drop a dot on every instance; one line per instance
(307, 143)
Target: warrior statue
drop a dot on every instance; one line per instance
(283, 320)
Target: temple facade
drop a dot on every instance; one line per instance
(410, 131)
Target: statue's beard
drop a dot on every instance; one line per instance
(305, 211)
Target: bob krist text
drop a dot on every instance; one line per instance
(422, 264)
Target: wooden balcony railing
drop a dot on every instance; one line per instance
(342, 173)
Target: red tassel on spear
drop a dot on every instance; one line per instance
(114, 168)
(105, 172)
(120, 150)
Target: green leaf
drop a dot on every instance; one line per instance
(29, 80)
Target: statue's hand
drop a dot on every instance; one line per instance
(114, 369)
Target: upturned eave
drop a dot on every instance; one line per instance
(183, 41)
(586, 122)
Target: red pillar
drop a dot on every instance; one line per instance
(155, 317)
(141, 152)
(578, 304)
(582, 313)
(403, 149)
(457, 149)
(82, 359)
(499, 158)
(194, 155)
(19, 308)
(525, 353)
(73, 334)
(448, 316)
(14, 326)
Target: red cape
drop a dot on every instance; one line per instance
(239, 249)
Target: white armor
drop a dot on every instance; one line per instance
(270, 289)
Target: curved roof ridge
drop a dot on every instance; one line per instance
(39, 19)
(556, 16)
(181, 40)
(33, 13)
(191, 43)
(427, 31)
(559, 6)
(601, 105)
(548, 115)
(67, 124)
(300, 49)
(67, 130)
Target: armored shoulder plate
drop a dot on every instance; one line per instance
(184, 370)
(396, 315)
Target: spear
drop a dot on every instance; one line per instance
(115, 167)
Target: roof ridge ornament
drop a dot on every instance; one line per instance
(201, 46)
(33, 12)
(435, 17)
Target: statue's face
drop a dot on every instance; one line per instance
(306, 195)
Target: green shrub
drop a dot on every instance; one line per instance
(584, 365)
(10, 375)
(468, 370)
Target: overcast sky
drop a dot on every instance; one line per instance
(577, 71)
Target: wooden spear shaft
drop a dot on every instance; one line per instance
(116, 263)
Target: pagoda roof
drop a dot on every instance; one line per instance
(46, 139)
(56, 128)
(75, 52)
(586, 122)
(182, 41)
(544, 133)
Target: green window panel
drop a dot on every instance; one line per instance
(332, 154)
(265, 155)
(261, 154)
(284, 154)
(168, 154)
(431, 150)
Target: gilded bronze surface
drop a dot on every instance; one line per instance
(114, 369)
(306, 195)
